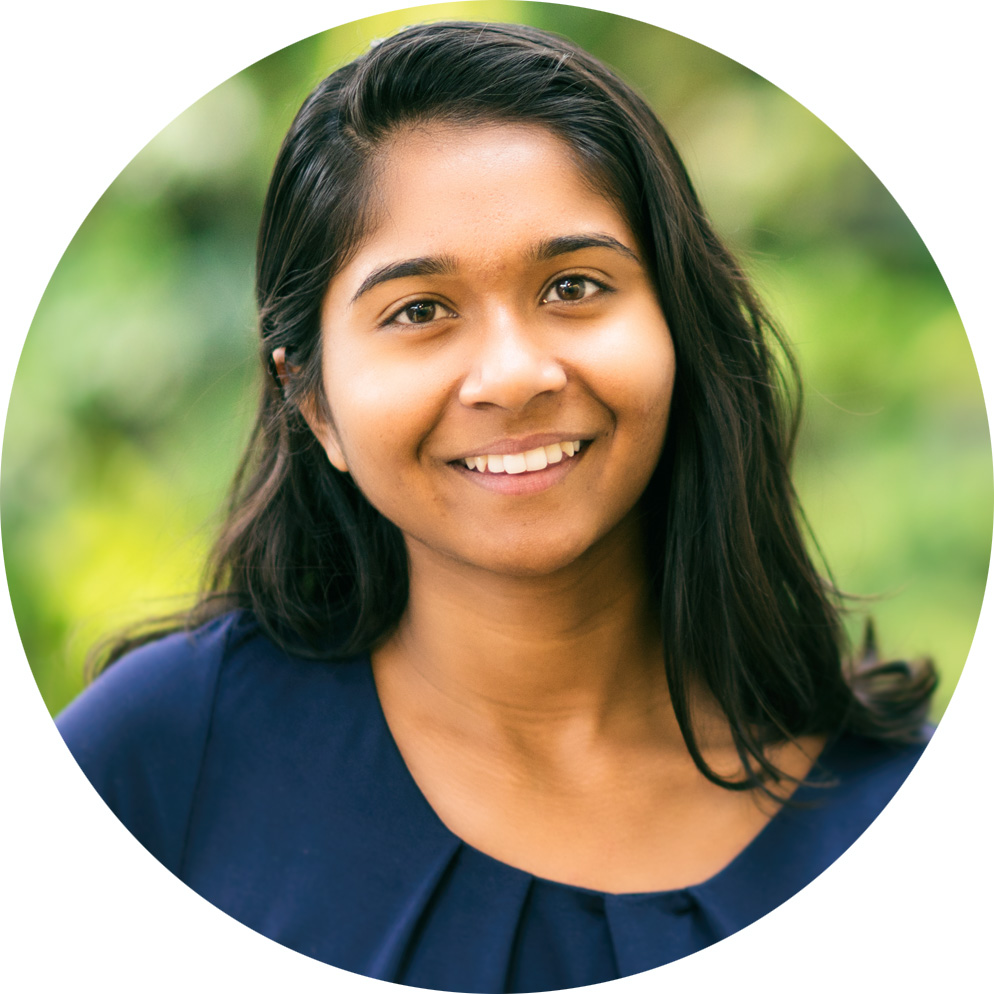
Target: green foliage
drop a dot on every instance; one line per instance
(137, 383)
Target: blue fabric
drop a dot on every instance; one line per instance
(271, 785)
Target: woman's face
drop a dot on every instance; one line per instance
(497, 313)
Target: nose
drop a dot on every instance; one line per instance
(510, 367)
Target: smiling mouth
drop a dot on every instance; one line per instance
(523, 462)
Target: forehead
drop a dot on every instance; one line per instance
(480, 189)
(421, 153)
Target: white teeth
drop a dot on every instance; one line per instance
(515, 463)
(521, 462)
(535, 459)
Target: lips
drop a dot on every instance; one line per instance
(529, 460)
(522, 466)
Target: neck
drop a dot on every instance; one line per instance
(579, 646)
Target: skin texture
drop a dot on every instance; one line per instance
(499, 302)
(503, 360)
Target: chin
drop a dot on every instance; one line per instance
(527, 560)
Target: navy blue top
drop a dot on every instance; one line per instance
(272, 786)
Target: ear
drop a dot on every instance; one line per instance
(322, 428)
(279, 364)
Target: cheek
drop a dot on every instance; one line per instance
(636, 366)
(380, 410)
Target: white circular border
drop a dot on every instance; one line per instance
(87, 85)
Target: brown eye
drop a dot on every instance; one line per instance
(419, 312)
(572, 289)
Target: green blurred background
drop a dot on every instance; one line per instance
(137, 383)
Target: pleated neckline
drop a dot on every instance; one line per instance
(676, 896)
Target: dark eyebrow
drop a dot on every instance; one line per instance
(427, 266)
(573, 243)
(444, 266)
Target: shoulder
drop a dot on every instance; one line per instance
(170, 686)
(141, 730)
(856, 777)
(162, 688)
(138, 732)
(852, 782)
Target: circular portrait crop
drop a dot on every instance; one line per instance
(435, 567)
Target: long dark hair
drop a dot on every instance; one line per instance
(742, 608)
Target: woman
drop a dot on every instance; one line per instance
(513, 672)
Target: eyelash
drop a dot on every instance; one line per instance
(574, 278)
(546, 294)
(393, 318)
